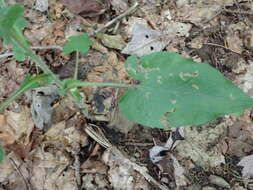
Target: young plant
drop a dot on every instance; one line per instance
(173, 91)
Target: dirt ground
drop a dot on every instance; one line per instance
(105, 150)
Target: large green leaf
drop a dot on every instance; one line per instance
(79, 43)
(176, 91)
(28, 83)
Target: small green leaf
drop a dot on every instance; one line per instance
(1, 154)
(78, 97)
(28, 83)
(176, 91)
(79, 43)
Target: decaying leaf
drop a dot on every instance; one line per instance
(197, 145)
(83, 7)
(41, 5)
(42, 108)
(112, 41)
(14, 125)
(144, 41)
(247, 164)
(119, 5)
(121, 173)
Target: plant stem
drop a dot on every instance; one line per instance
(19, 39)
(76, 66)
(76, 83)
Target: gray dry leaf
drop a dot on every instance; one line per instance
(144, 41)
(247, 164)
(41, 108)
(41, 5)
(157, 153)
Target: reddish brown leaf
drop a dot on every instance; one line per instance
(82, 7)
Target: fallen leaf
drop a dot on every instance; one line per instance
(144, 41)
(42, 106)
(15, 125)
(112, 41)
(41, 5)
(82, 7)
(247, 164)
(121, 173)
(119, 5)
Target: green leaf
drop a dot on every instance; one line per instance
(79, 43)
(28, 83)
(176, 91)
(10, 18)
(1, 154)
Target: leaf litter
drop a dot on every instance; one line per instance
(49, 157)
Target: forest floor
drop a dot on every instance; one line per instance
(106, 151)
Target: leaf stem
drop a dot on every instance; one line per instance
(76, 83)
(76, 66)
(20, 40)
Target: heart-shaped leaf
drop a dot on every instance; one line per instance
(79, 43)
(176, 91)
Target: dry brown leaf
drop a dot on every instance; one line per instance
(9, 174)
(119, 5)
(14, 125)
(240, 142)
(82, 7)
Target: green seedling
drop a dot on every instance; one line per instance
(173, 91)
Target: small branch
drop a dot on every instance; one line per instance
(220, 46)
(34, 48)
(47, 47)
(77, 83)
(110, 23)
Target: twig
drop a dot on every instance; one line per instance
(34, 48)
(47, 47)
(215, 15)
(28, 187)
(77, 164)
(127, 12)
(238, 11)
(220, 46)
